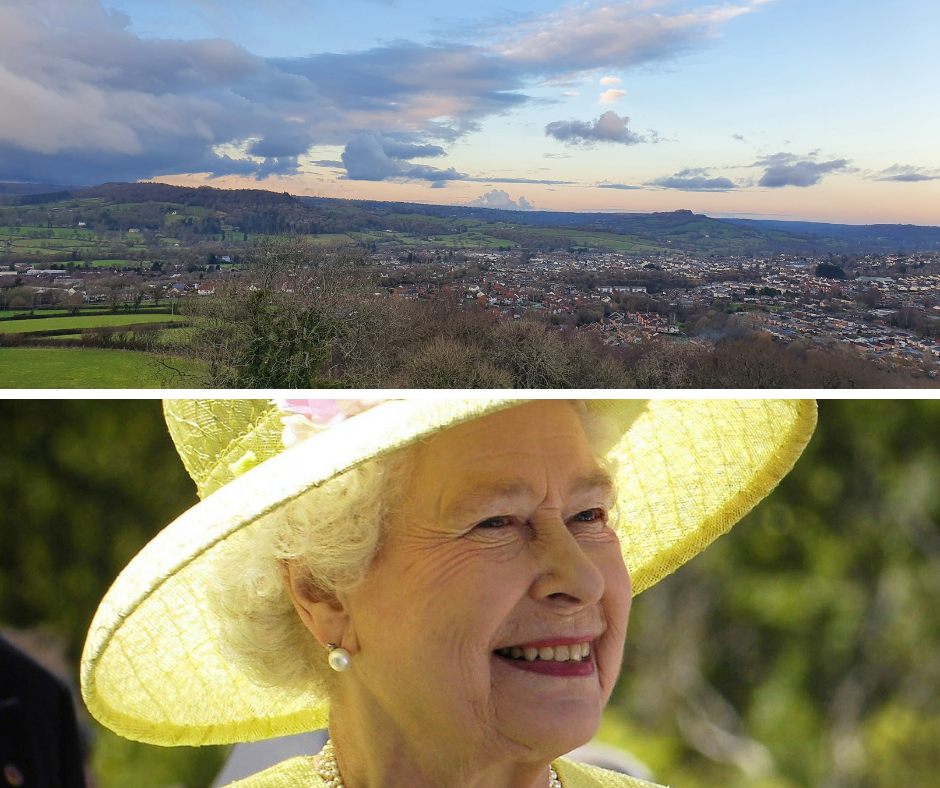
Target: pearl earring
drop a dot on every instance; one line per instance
(339, 658)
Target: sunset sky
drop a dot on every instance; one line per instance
(825, 110)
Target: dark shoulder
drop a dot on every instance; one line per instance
(579, 775)
(22, 672)
(293, 773)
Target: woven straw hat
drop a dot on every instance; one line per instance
(151, 669)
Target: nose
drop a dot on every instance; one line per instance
(567, 574)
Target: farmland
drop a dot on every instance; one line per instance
(80, 322)
(68, 368)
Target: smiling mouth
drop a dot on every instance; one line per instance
(576, 652)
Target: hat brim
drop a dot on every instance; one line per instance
(687, 470)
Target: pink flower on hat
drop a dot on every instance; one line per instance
(308, 417)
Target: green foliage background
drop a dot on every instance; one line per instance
(801, 650)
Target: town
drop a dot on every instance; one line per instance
(887, 307)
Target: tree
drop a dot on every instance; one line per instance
(830, 271)
(798, 650)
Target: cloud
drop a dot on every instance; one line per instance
(738, 137)
(609, 127)
(371, 156)
(610, 81)
(906, 173)
(582, 37)
(694, 180)
(501, 200)
(522, 180)
(572, 93)
(95, 102)
(788, 169)
(612, 96)
(623, 186)
(327, 163)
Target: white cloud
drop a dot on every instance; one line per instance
(501, 200)
(610, 80)
(572, 93)
(581, 37)
(612, 96)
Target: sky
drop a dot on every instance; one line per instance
(780, 109)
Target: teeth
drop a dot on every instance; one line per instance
(577, 651)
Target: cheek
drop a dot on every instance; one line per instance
(448, 599)
(617, 601)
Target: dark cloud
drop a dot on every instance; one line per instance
(609, 127)
(522, 180)
(738, 137)
(370, 156)
(906, 173)
(788, 169)
(327, 163)
(694, 180)
(285, 141)
(413, 84)
(623, 186)
(98, 103)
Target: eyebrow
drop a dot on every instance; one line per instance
(484, 493)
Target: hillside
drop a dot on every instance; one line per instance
(185, 216)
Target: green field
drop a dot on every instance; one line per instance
(81, 321)
(68, 368)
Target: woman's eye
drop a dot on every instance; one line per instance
(590, 516)
(494, 522)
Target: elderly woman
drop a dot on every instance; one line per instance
(444, 583)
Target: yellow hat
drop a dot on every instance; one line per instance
(687, 470)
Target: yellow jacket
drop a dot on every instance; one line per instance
(299, 773)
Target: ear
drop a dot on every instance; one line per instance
(324, 615)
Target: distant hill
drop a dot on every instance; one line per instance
(251, 212)
(8, 189)
(889, 237)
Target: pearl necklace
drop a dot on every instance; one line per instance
(324, 762)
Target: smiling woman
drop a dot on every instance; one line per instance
(444, 583)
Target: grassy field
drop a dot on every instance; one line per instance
(81, 321)
(86, 310)
(72, 368)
